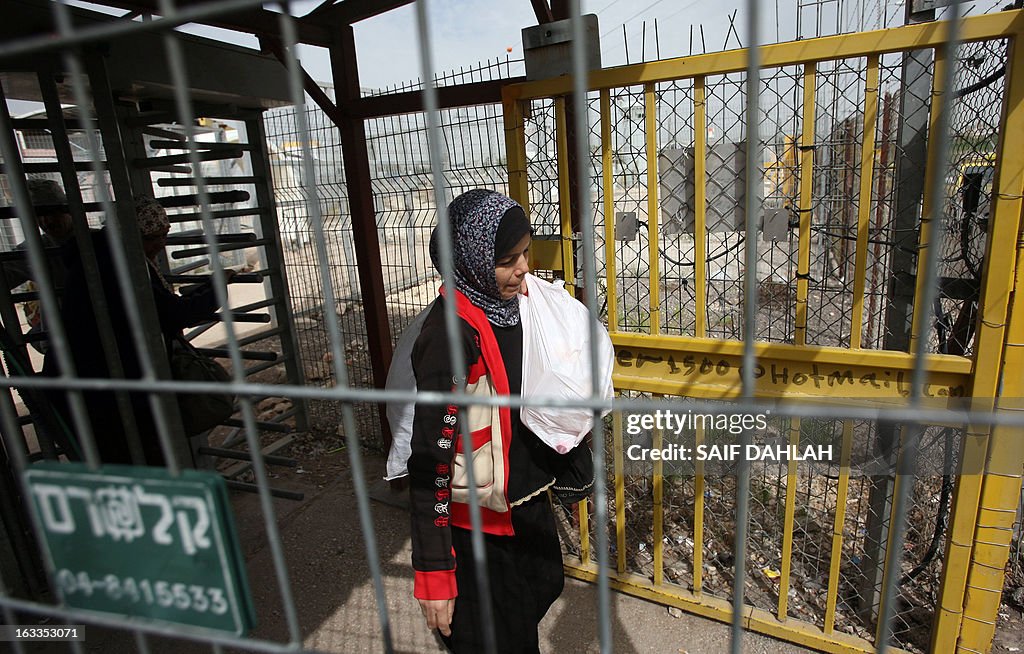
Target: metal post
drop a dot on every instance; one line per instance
(992, 508)
(110, 131)
(278, 281)
(560, 10)
(410, 242)
(364, 225)
(752, 207)
(912, 151)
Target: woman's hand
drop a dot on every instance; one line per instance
(438, 614)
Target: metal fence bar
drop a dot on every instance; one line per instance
(1000, 493)
(620, 493)
(583, 510)
(657, 498)
(989, 351)
(608, 184)
(998, 511)
(334, 336)
(788, 522)
(580, 74)
(698, 517)
(183, 105)
(564, 196)
(842, 490)
(965, 503)
(700, 199)
(867, 176)
(434, 140)
(816, 410)
(141, 642)
(334, 332)
(805, 206)
(653, 239)
(909, 435)
(751, 122)
(938, 160)
(515, 150)
(931, 209)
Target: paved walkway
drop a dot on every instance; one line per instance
(337, 612)
(334, 597)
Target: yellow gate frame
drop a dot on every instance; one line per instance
(984, 505)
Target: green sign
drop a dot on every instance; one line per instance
(136, 541)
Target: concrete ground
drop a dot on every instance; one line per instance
(334, 595)
(347, 621)
(334, 599)
(337, 611)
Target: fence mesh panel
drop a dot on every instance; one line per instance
(797, 507)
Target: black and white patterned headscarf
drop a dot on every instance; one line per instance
(475, 216)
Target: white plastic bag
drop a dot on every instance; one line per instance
(556, 362)
(401, 414)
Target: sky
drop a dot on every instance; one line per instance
(465, 32)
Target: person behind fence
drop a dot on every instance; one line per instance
(491, 240)
(174, 311)
(54, 220)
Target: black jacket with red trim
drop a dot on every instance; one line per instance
(522, 466)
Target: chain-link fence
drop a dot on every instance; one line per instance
(405, 216)
(838, 256)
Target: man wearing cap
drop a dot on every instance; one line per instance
(176, 312)
(52, 216)
(51, 208)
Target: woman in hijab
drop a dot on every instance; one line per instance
(490, 236)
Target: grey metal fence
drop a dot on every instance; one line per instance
(419, 162)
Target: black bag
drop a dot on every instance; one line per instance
(576, 480)
(199, 411)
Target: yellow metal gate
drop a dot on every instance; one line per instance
(823, 299)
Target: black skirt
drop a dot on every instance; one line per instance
(526, 577)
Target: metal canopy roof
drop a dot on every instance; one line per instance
(137, 65)
(318, 27)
